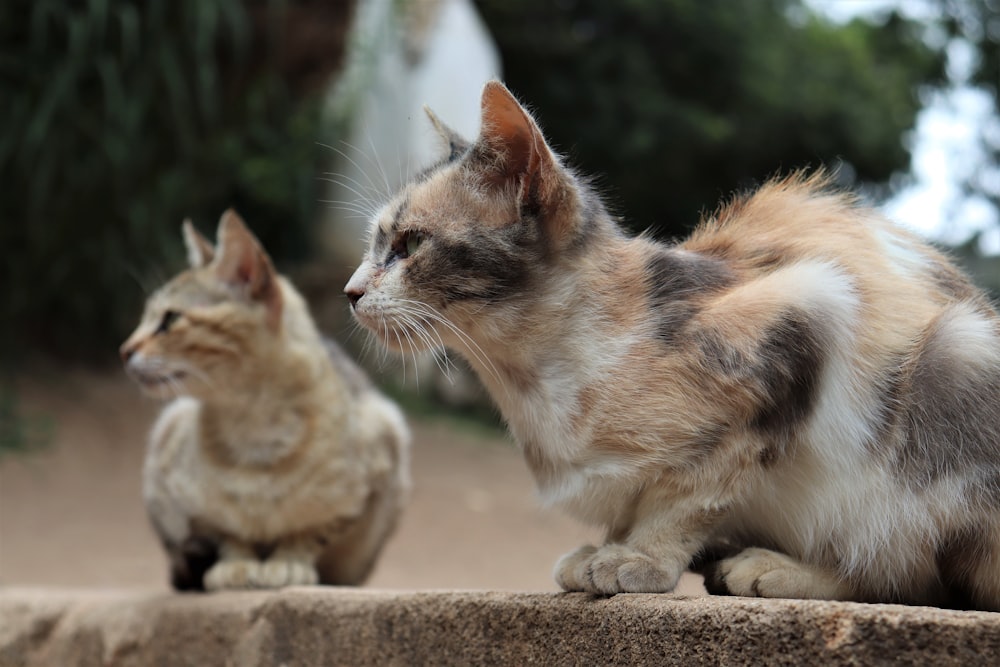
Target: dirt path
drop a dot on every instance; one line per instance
(71, 515)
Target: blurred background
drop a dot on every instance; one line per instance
(120, 118)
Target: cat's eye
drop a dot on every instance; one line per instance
(406, 244)
(169, 317)
(411, 241)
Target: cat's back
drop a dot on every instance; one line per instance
(900, 282)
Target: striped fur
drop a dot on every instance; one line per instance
(801, 397)
(276, 463)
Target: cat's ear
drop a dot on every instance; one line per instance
(242, 263)
(200, 251)
(516, 155)
(456, 144)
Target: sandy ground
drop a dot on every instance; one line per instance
(71, 514)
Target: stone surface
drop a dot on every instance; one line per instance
(319, 626)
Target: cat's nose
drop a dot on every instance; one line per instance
(127, 350)
(355, 287)
(354, 294)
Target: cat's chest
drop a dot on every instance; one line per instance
(555, 427)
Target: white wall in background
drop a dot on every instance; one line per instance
(392, 72)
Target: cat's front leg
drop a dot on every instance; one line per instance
(648, 557)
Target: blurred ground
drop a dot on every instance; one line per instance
(71, 514)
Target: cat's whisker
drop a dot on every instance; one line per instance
(385, 350)
(361, 203)
(412, 326)
(444, 364)
(413, 356)
(370, 342)
(331, 175)
(350, 212)
(354, 163)
(362, 196)
(369, 346)
(192, 370)
(133, 273)
(427, 335)
(350, 330)
(402, 355)
(173, 386)
(437, 350)
(353, 207)
(471, 346)
(373, 157)
(412, 318)
(366, 203)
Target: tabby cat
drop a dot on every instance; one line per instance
(801, 398)
(276, 463)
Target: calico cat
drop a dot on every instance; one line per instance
(276, 463)
(801, 398)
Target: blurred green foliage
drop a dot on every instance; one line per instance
(674, 104)
(20, 433)
(118, 119)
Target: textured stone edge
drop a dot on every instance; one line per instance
(326, 626)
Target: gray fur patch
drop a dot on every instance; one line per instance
(673, 280)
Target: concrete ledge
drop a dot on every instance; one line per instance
(370, 627)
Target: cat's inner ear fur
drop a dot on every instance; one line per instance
(242, 263)
(517, 157)
(200, 251)
(456, 144)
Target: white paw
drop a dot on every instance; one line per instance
(279, 573)
(614, 568)
(764, 573)
(252, 574)
(232, 574)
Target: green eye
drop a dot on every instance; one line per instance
(412, 241)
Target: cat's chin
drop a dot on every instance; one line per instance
(161, 386)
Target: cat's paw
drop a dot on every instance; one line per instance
(614, 568)
(233, 574)
(279, 573)
(764, 573)
(247, 574)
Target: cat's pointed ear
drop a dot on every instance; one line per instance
(200, 251)
(456, 144)
(242, 263)
(515, 150)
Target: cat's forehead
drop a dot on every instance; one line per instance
(190, 288)
(445, 201)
